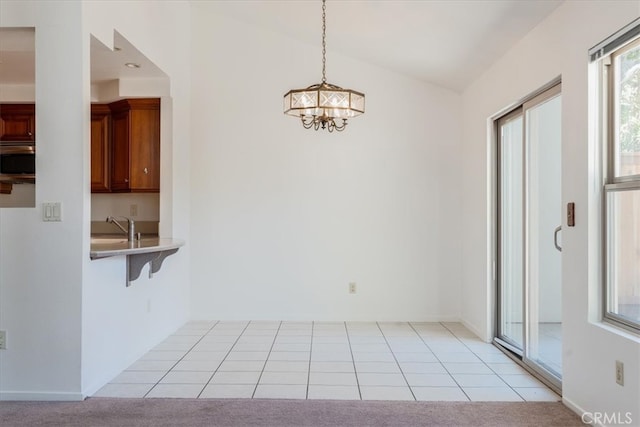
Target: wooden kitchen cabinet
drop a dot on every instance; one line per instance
(18, 122)
(100, 148)
(135, 145)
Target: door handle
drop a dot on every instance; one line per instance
(555, 238)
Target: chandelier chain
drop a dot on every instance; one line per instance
(324, 44)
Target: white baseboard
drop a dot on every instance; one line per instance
(473, 329)
(42, 396)
(438, 319)
(577, 409)
(428, 319)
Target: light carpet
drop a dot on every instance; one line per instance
(96, 412)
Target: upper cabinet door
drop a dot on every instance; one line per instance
(100, 149)
(135, 142)
(18, 122)
(120, 158)
(125, 146)
(145, 149)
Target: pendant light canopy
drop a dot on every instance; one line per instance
(324, 105)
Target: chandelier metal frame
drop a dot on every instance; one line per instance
(324, 105)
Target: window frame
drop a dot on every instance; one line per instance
(612, 140)
(612, 183)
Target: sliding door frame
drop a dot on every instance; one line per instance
(512, 346)
(548, 91)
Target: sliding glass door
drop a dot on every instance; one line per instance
(529, 234)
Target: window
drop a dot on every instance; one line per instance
(619, 64)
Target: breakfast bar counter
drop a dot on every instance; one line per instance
(102, 247)
(139, 253)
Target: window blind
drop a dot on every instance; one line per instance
(614, 41)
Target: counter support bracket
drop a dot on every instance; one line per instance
(136, 262)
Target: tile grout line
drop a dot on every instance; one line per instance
(353, 360)
(481, 360)
(396, 359)
(453, 333)
(223, 359)
(440, 361)
(310, 356)
(275, 337)
(179, 360)
(487, 365)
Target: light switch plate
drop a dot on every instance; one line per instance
(52, 211)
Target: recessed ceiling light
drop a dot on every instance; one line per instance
(132, 65)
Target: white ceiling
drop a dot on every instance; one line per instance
(107, 64)
(446, 42)
(17, 59)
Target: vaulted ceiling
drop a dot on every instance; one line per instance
(446, 42)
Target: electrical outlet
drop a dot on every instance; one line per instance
(3, 340)
(619, 372)
(133, 210)
(352, 287)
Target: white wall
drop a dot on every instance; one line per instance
(71, 323)
(558, 46)
(287, 217)
(41, 263)
(120, 324)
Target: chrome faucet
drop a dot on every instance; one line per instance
(130, 231)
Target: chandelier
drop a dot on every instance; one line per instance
(324, 105)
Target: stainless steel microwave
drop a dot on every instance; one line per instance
(17, 162)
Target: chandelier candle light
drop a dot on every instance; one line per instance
(320, 105)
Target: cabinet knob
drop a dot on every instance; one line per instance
(30, 133)
(146, 171)
(126, 180)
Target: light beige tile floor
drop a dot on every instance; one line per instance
(327, 360)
